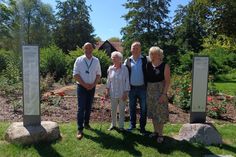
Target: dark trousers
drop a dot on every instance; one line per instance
(85, 100)
(138, 93)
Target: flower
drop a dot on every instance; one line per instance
(102, 100)
(209, 99)
(62, 94)
(214, 108)
(189, 89)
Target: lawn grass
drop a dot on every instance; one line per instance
(226, 83)
(100, 142)
(226, 87)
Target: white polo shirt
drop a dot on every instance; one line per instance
(88, 69)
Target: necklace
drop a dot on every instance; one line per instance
(156, 69)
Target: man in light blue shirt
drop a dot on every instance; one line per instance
(137, 70)
(136, 77)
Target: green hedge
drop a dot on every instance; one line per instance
(53, 61)
(221, 60)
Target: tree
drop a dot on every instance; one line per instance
(29, 22)
(203, 18)
(114, 39)
(73, 27)
(97, 39)
(35, 20)
(6, 24)
(190, 26)
(146, 23)
(222, 17)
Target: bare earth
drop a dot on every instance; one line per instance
(66, 109)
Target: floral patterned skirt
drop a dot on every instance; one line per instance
(156, 110)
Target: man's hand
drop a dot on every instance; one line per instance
(90, 86)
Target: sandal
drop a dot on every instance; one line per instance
(160, 139)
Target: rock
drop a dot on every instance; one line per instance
(200, 133)
(48, 131)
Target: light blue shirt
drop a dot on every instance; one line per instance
(136, 78)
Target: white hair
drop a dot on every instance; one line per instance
(117, 53)
(158, 50)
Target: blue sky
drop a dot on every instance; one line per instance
(106, 15)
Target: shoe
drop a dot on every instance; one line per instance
(131, 128)
(160, 139)
(87, 126)
(121, 129)
(153, 135)
(79, 135)
(143, 132)
(111, 128)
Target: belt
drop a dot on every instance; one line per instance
(141, 86)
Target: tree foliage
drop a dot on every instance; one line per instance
(146, 23)
(190, 26)
(203, 18)
(26, 22)
(73, 26)
(114, 39)
(222, 16)
(6, 24)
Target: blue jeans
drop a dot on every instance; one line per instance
(140, 93)
(85, 100)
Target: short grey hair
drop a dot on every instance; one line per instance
(158, 50)
(136, 43)
(87, 43)
(117, 53)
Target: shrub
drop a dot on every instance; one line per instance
(46, 83)
(222, 53)
(221, 60)
(3, 59)
(10, 66)
(186, 61)
(105, 61)
(10, 90)
(182, 90)
(215, 108)
(53, 61)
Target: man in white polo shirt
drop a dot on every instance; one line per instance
(87, 72)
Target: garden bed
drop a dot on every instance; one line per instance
(60, 107)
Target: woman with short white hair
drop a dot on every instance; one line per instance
(117, 88)
(158, 81)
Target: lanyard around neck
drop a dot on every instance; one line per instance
(88, 66)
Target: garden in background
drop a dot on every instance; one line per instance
(201, 28)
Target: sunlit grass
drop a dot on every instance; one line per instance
(100, 142)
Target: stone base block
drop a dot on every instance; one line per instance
(200, 133)
(48, 131)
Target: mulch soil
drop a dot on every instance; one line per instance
(65, 110)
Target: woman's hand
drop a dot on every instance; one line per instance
(125, 96)
(106, 93)
(163, 98)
